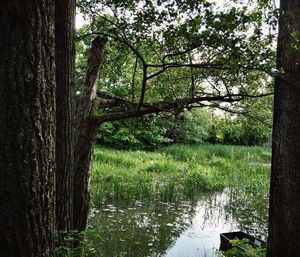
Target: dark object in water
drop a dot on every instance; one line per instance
(226, 237)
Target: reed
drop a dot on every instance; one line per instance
(168, 173)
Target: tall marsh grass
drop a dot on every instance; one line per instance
(170, 172)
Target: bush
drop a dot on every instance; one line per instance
(134, 133)
(192, 127)
(244, 131)
(187, 127)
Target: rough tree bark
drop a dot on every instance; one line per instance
(284, 220)
(85, 135)
(27, 128)
(65, 71)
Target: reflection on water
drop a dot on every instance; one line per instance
(181, 229)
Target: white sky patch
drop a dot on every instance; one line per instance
(223, 3)
(79, 21)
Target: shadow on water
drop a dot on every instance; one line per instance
(181, 229)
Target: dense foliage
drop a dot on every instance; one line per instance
(252, 127)
(185, 54)
(191, 127)
(186, 127)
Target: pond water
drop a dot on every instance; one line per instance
(185, 228)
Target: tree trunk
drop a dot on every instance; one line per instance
(65, 70)
(27, 128)
(284, 220)
(85, 135)
(83, 166)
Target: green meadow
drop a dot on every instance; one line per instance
(176, 171)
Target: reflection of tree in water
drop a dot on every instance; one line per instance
(215, 209)
(249, 207)
(141, 229)
(245, 208)
(150, 229)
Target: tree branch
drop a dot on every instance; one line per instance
(144, 84)
(164, 106)
(133, 80)
(215, 66)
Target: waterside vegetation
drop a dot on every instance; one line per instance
(143, 200)
(169, 173)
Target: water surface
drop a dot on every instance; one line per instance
(186, 228)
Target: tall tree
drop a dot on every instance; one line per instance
(155, 63)
(170, 67)
(159, 64)
(30, 122)
(284, 220)
(85, 130)
(75, 134)
(27, 128)
(65, 72)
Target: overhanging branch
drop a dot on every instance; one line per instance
(131, 110)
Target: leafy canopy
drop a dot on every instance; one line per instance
(202, 51)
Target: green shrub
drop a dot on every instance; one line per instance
(187, 127)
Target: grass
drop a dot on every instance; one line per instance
(168, 173)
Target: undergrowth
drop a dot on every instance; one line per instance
(243, 248)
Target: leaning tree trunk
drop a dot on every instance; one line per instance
(85, 135)
(284, 220)
(84, 150)
(27, 128)
(65, 70)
